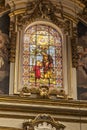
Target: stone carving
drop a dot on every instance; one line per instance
(43, 10)
(43, 121)
(44, 92)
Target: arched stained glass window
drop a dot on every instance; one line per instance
(42, 57)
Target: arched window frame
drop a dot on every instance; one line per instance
(20, 35)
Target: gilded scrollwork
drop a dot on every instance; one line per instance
(44, 92)
(12, 42)
(43, 121)
(43, 10)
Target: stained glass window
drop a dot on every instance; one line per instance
(42, 57)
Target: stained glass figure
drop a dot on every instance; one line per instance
(42, 57)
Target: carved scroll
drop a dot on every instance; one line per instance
(43, 121)
(42, 10)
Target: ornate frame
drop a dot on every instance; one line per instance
(49, 12)
(43, 91)
(43, 121)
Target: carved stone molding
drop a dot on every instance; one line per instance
(43, 121)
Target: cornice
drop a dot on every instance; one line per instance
(26, 108)
(16, 103)
(27, 100)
